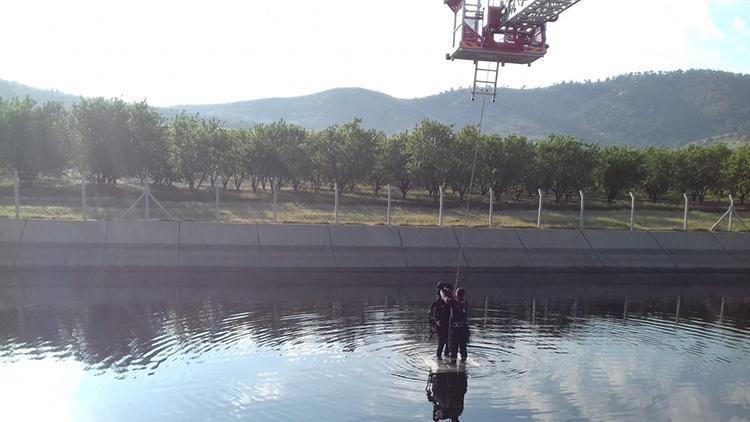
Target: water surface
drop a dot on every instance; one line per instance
(100, 353)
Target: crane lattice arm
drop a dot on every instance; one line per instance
(509, 31)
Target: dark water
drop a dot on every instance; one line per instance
(348, 354)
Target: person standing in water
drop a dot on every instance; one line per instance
(458, 334)
(440, 319)
(459, 327)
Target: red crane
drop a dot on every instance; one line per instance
(506, 31)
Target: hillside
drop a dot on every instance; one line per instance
(669, 109)
(13, 89)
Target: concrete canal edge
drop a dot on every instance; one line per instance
(114, 246)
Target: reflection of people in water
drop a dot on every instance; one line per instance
(446, 391)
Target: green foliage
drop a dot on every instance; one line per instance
(34, 138)
(621, 168)
(103, 128)
(659, 172)
(345, 154)
(507, 163)
(395, 159)
(110, 140)
(280, 152)
(431, 151)
(566, 165)
(154, 151)
(699, 169)
(737, 172)
(185, 134)
(466, 143)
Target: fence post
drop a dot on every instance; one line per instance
(274, 194)
(440, 210)
(84, 212)
(731, 211)
(539, 211)
(685, 217)
(146, 199)
(217, 204)
(16, 182)
(335, 202)
(388, 212)
(582, 216)
(632, 211)
(492, 203)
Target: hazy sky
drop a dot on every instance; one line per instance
(191, 51)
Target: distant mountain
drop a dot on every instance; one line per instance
(14, 89)
(668, 109)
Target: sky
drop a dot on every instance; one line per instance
(197, 52)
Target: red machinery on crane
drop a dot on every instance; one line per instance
(510, 31)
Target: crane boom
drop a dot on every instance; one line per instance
(536, 12)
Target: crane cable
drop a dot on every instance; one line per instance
(468, 199)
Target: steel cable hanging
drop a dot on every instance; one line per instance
(468, 199)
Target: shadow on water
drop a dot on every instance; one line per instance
(155, 348)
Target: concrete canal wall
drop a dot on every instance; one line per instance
(198, 246)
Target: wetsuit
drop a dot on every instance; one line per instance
(440, 314)
(459, 330)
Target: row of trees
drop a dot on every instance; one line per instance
(109, 140)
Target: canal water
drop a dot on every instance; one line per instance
(340, 353)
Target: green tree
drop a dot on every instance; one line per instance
(103, 129)
(345, 154)
(700, 169)
(658, 172)
(152, 148)
(621, 168)
(508, 163)
(35, 138)
(281, 152)
(395, 159)
(431, 152)
(461, 160)
(185, 135)
(737, 172)
(567, 165)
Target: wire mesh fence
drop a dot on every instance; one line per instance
(67, 198)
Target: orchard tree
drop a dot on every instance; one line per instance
(152, 148)
(700, 169)
(566, 164)
(103, 130)
(737, 172)
(185, 134)
(658, 172)
(431, 151)
(345, 154)
(508, 162)
(462, 160)
(621, 168)
(394, 158)
(35, 138)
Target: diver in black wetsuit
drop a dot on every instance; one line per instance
(440, 319)
(459, 329)
(446, 392)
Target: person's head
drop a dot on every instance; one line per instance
(446, 293)
(460, 293)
